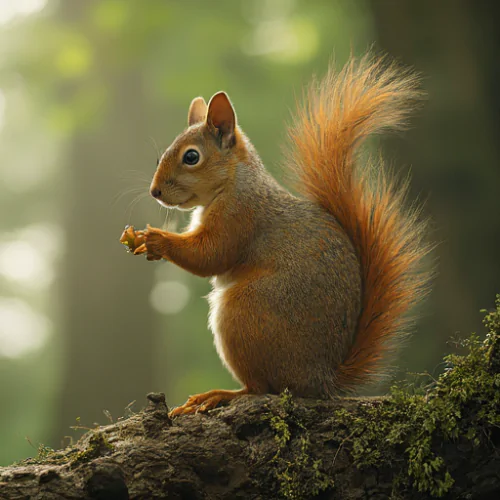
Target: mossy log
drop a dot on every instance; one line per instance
(439, 441)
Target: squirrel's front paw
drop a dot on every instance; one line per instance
(154, 243)
(150, 242)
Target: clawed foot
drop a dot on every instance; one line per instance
(206, 401)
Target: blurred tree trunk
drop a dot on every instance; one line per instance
(108, 326)
(453, 151)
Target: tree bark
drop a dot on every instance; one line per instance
(236, 453)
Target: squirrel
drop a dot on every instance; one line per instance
(310, 291)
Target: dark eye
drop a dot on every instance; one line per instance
(191, 157)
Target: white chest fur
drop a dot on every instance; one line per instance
(196, 216)
(216, 302)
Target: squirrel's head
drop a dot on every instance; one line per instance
(202, 160)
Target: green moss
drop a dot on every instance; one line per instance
(94, 445)
(298, 474)
(44, 453)
(464, 402)
(97, 445)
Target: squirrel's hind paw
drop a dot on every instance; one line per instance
(206, 401)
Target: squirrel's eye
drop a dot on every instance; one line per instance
(191, 157)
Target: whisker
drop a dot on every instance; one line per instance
(135, 176)
(133, 171)
(155, 145)
(117, 197)
(133, 204)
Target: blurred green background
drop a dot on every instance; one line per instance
(90, 93)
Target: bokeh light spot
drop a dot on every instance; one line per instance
(284, 40)
(10, 9)
(22, 330)
(74, 58)
(170, 297)
(28, 260)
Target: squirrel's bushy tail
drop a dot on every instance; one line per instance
(368, 96)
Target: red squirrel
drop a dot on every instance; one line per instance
(310, 293)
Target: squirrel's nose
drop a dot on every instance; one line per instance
(155, 192)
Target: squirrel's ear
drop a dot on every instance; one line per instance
(197, 111)
(221, 119)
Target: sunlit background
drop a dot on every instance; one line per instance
(92, 91)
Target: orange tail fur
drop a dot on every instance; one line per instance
(368, 96)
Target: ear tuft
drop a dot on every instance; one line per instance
(197, 111)
(221, 118)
